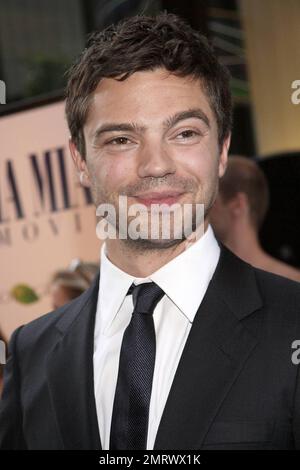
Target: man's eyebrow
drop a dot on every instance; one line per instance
(190, 113)
(167, 124)
(121, 127)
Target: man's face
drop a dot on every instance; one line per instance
(154, 139)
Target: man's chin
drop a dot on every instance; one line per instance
(143, 244)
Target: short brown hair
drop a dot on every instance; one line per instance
(244, 175)
(143, 43)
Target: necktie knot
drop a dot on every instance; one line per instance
(145, 297)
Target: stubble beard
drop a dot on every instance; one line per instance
(141, 245)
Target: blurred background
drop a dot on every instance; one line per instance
(47, 220)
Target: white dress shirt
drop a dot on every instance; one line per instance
(184, 280)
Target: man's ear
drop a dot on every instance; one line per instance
(240, 204)
(224, 156)
(80, 164)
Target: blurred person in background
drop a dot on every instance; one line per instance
(66, 285)
(85, 270)
(238, 214)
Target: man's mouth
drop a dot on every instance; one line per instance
(158, 197)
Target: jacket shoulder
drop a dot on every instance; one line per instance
(269, 283)
(276, 285)
(44, 329)
(281, 297)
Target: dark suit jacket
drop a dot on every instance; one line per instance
(235, 387)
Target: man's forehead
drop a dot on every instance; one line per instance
(164, 96)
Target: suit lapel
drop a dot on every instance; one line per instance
(70, 374)
(214, 355)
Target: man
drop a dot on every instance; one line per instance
(239, 211)
(178, 344)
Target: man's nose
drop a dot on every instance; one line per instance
(155, 161)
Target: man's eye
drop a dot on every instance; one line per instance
(187, 134)
(119, 141)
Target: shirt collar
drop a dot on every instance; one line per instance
(113, 286)
(184, 279)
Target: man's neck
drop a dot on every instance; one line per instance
(244, 242)
(142, 263)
